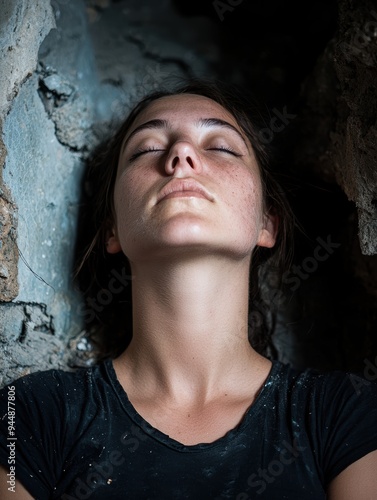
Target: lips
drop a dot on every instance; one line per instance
(183, 187)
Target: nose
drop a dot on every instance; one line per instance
(183, 159)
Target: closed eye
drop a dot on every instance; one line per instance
(225, 150)
(140, 152)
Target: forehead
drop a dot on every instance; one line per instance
(189, 106)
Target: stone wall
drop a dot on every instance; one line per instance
(334, 144)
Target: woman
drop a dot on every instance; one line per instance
(190, 409)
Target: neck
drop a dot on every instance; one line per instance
(190, 331)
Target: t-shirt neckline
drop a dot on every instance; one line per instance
(165, 439)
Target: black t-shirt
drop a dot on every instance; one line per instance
(79, 437)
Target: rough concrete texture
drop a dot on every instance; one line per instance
(26, 342)
(43, 177)
(335, 138)
(355, 138)
(23, 26)
(8, 248)
(341, 100)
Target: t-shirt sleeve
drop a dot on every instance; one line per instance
(39, 432)
(349, 406)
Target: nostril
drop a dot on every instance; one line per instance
(189, 161)
(176, 160)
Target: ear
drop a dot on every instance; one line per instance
(268, 233)
(112, 241)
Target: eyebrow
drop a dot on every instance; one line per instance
(151, 124)
(164, 124)
(216, 122)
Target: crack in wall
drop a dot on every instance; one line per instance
(61, 102)
(8, 247)
(148, 54)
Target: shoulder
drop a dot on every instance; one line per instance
(333, 397)
(340, 411)
(330, 385)
(337, 409)
(54, 388)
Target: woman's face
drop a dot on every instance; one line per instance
(188, 182)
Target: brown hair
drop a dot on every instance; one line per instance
(109, 320)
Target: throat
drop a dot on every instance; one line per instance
(188, 315)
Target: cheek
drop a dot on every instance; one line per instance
(127, 202)
(245, 197)
(128, 190)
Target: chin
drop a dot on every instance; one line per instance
(184, 244)
(183, 234)
(170, 241)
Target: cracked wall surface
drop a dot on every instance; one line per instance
(341, 106)
(8, 248)
(23, 26)
(335, 140)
